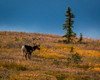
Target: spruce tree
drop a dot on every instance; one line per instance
(69, 25)
(81, 38)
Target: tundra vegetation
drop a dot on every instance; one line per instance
(55, 60)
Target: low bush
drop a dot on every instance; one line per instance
(77, 58)
(74, 58)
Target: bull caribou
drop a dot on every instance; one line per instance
(27, 50)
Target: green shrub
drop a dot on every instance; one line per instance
(71, 49)
(74, 58)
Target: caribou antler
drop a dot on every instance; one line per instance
(35, 41)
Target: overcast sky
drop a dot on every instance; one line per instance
(47, 16)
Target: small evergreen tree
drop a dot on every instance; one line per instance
(81, 38)
(74, 58)
(69, 25)
(72, 49)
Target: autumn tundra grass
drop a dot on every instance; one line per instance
(54, 61)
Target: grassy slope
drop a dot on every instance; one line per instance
(50, 62)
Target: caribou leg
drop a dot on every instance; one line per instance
(26, 56)
(29, 56)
